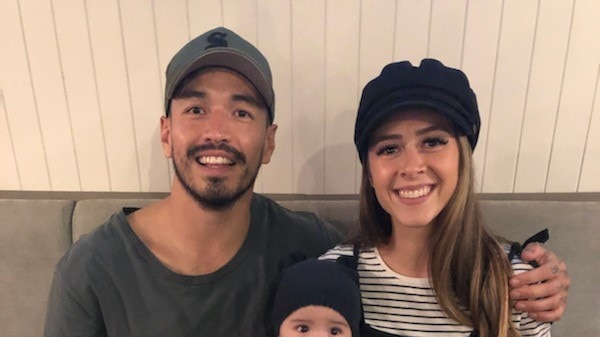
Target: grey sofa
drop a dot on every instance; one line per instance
(38, 228)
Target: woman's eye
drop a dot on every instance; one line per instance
(435, 141)
(302, 328)
(387, 150)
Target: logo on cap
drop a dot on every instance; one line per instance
(216, 39)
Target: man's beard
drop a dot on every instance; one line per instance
(215, 196)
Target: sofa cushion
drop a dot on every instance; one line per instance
(89, 214)
(35, 235)
(574, 228)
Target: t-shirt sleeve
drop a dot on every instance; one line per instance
(67, 314)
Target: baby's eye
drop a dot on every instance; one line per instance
(435, 141)
(302, 328)
(335, 331)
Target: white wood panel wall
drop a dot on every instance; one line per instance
(81, 86)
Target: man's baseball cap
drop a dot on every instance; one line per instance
(221, 47)
(430, 85)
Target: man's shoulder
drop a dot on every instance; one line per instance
(303, 220)
(294, 225)
(103, 243)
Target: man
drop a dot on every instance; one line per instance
(202, 261)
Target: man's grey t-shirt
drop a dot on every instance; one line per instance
(110, 284)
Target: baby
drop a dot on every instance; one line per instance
(317, 298)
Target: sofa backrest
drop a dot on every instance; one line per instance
(34, 236)
(36, 233)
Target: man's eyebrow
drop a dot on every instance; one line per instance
(246, 99)
(191, 93)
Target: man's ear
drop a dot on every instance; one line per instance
(165, 136)
(269, 147)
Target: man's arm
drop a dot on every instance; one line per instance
(66, 316)
(542, 292)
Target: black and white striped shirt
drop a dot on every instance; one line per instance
(407, 306)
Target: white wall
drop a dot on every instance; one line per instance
(81, 86)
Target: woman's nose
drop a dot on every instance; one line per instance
(412, 163)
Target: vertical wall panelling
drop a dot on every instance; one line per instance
(482, 33)
(21, 139)
(204, 15)
(9, 179)
(541, 106)
(447, 31)
(19, 104)
(341, 94)
(145, 89)
(274, 40)
(576, 99)
(81, 97)
(376, 46)
(411, 35)
(240, 16)
(308, 95)
(49, 90)
(113, 93)
(510, 88)
(171, 31)
(82, 85)
(589, 180)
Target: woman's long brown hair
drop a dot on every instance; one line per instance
(469, 269)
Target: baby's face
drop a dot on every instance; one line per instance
(315, 321)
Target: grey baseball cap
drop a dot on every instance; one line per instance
(221, 47)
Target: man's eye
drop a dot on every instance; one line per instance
(195, 110)
(302, 328)
(242, 114)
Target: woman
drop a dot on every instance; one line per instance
(427, 265)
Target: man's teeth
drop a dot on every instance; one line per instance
(412, 194)
(215, 160)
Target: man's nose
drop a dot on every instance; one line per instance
(217, 127)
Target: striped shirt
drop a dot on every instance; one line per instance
(407, 306)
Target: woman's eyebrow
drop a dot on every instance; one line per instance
(381, 138)
(430, 128)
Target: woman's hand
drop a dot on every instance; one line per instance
(541, 292)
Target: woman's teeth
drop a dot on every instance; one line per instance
(413, 194)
